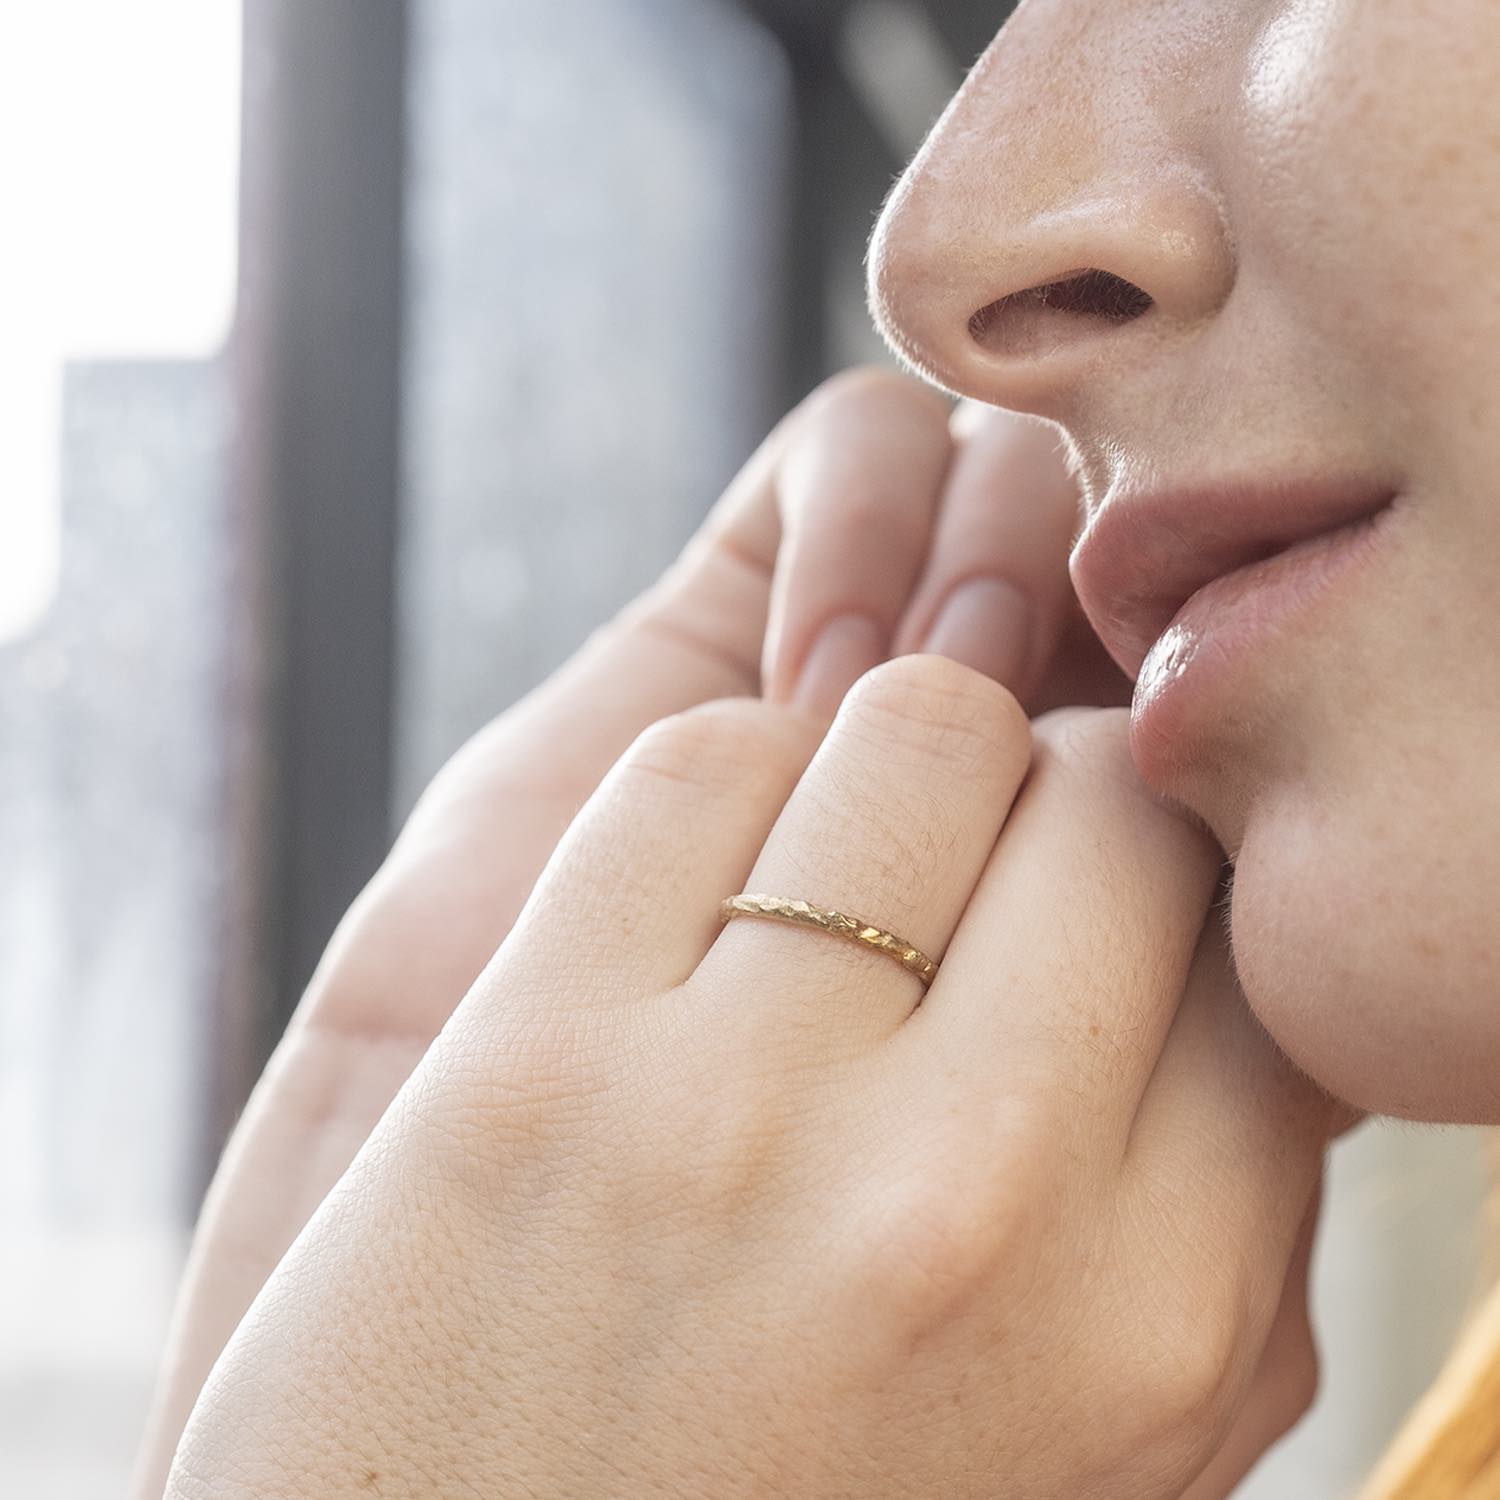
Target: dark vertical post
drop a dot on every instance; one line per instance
(969, 26)
(809, 226)
(315, 360)
(838, 175)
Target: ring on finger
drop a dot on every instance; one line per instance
(839, 924)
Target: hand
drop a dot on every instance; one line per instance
(668, 1211)
(862, 503)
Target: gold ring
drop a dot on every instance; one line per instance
(836, 922)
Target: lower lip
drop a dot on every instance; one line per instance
(1192, 664)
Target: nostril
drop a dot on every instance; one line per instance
(1024, 321)
(1096, 294)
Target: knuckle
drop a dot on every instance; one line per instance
(731, 745)
(860, 451)
(940, 709)
(854, 510)
(731, 1140)
(935, 1238)
(872, 388)
(1186, 1374)
(922, 1252)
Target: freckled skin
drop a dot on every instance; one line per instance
(1309, 190)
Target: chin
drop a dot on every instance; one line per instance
(1361, 946)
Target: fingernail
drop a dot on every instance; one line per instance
(848, 647)
(986, 623)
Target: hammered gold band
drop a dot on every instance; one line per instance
(836, 922)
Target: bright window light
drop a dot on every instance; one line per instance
(119, 139)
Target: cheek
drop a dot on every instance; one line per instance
(1365, 944)
(1370, 193)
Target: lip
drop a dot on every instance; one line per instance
(1181, 584)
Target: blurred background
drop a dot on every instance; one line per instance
(359, 357)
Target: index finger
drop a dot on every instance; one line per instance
(859, 485)
(995, 592)
(828, 525)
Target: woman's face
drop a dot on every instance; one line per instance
(1308, 193)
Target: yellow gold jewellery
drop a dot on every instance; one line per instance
(836, 922)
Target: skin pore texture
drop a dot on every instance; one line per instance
(1307, 192)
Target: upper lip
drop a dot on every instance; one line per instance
(1144, 554)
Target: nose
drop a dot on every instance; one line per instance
(1060, 225)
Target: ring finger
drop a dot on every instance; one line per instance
(891, 824)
